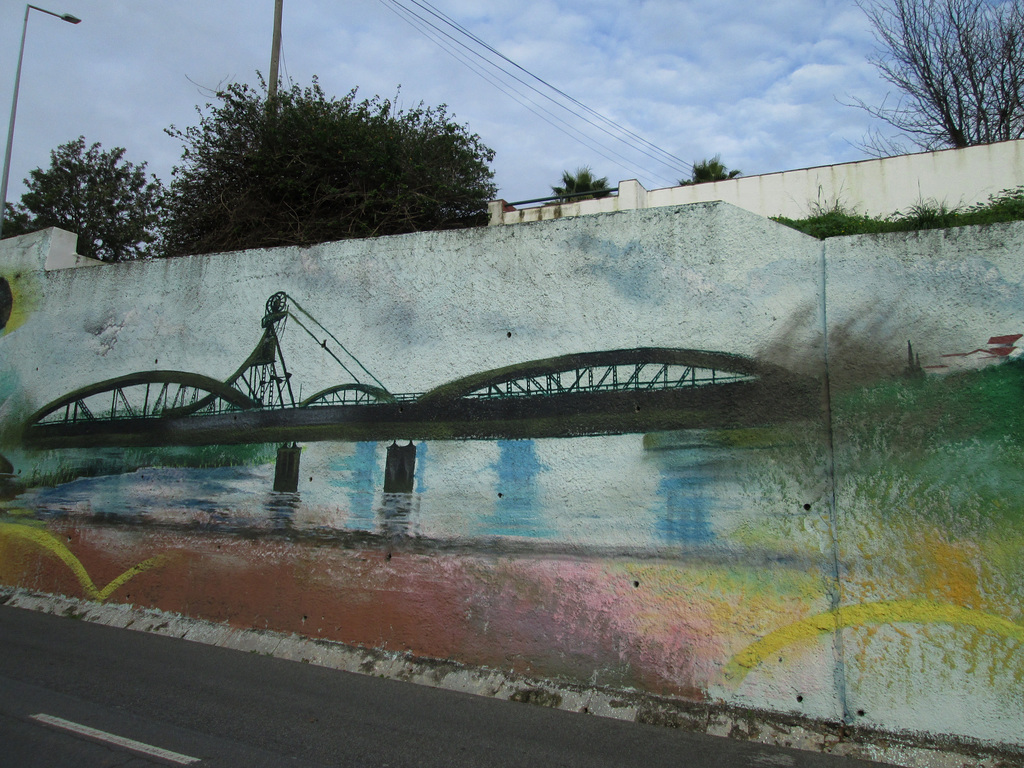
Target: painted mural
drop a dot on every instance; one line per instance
(682, 450)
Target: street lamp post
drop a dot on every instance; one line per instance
(14, 105)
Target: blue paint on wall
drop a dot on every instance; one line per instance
(421, 458)
(356, 475)
(686, 515)
(517, 509)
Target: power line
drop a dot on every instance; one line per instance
(606, 126)
(423, 29)
(670, 159)
(509, 91)
(458, 27)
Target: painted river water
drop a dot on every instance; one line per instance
(681, 489)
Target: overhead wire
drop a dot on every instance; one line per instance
(627, 137)
(284, 64)
(517, 96)
(544, 95)
(670, 159)
(509, 91)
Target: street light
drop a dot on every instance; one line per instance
(14, 104)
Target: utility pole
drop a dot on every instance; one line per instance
(275, 53)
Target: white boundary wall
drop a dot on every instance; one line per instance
(954, 177)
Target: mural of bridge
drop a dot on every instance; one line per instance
(589, 393)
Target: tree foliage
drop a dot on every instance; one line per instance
(111, 204)
(16, 222)
(709, 170)
(304, 168)
(574, 184)
(959, 67)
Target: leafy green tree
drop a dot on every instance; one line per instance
(16, 222)
(583, 180)
(111, 204)
(709, 170)
(303, 168)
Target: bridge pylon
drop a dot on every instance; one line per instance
(286, 471)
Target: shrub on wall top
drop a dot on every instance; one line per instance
(1007, 205)
(303, 168)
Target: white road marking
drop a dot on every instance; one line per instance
(120, 741)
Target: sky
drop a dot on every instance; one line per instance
(764, 84)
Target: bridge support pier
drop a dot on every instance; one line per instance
(286, 473)
(400, 468)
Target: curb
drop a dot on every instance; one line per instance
(762, 727)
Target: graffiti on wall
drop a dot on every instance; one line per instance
(593, 393)
(690, 409)
(6, 303)
(689, 505)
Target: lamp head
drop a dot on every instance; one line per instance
(70, 19)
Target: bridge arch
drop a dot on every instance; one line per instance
(144, 395)
(353, 393)
(640, 369)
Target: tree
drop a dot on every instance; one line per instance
(111, 204)
(302, 168)
(959, 65)
(16, 222)
(583, 180)
(709, 170)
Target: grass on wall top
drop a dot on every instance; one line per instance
(836, 221)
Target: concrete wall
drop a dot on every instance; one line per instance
(827, 529)
(880, 187)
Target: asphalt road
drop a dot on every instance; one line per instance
(226, 708)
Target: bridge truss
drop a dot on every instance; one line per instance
(609, 378)
(147, 395)
(644, 369)
(262, 382)
(601, 390)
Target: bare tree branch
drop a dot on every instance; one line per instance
(959, 66)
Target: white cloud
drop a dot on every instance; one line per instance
(756, 82)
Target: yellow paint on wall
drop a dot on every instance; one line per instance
(948, 570)
(24, 299)
(49, 543)
(888, 612)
